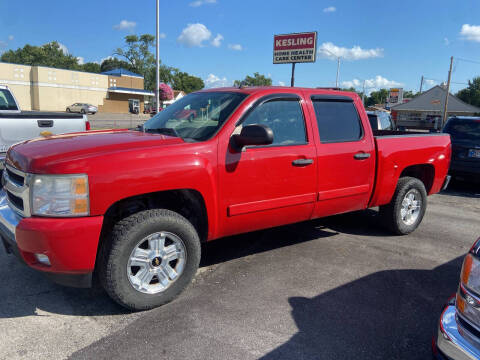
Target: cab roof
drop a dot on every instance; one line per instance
(287, 89)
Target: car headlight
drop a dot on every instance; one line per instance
(468, 295)
(60, 195)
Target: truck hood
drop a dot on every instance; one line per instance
(37, 155)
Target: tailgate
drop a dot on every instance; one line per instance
(15, 128)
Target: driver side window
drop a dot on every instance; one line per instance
(284, 117)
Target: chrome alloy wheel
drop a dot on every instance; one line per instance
(411, 204)
(156, 262)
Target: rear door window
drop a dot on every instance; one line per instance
(338, 121)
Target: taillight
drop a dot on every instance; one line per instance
(87, 125)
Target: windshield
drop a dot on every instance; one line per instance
(7, 102)
(465, 129)
(196, 116)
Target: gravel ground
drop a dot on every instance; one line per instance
(335, 288)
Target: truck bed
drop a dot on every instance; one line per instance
(401, 152)
(39, 115)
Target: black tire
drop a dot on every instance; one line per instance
(390, 214)
(190, 118)
(68, 110)
(125, 236)
(82, 111)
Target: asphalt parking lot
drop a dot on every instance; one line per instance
(335, 288)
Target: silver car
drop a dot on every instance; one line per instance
(458, 335)
(82, 108)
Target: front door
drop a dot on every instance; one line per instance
(266, 186)
(346, 156)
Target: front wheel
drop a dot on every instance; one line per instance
(151, 257)
(407, 208)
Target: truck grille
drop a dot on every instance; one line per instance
(16, 186)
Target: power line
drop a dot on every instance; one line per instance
(468, 60)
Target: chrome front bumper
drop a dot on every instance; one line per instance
(450, 341)
(9, 219)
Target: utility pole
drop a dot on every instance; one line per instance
(421, 85)
(363, 93)
(157, 90)
(444, 119)
(338, 70)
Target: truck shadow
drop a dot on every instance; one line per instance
(24, 292)
(390, 314)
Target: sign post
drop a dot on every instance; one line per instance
(294, 48)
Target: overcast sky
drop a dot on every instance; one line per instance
(385, 43)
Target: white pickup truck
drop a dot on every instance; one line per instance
(17, 125)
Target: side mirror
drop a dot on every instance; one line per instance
(253, 135)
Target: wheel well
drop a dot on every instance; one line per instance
(424, 172)
(186, 202)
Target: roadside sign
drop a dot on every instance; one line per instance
(395, 96)
(295, 48)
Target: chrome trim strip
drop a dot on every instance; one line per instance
(456, 346)
(8, 218)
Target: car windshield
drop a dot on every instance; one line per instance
(7, 102)
(464, 129)
(196, 116)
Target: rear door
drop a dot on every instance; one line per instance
(266, 186)
(346, 156)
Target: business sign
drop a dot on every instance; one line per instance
(295, 48)
(395, 96)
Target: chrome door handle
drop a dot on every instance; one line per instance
(361, 156)
(302, 162)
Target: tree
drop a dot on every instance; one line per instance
(112, 63)
(377, 97)
(49, 54)
(409, 94)
(256, 80)
(165, 92)
(91, 67)
(185, 82)
(166, 76)
(137, 52)
(471, 94)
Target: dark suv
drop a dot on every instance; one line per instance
(465, 134)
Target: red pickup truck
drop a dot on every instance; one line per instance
(133, 206)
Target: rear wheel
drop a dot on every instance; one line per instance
(68, 110)
(150, 259)
(407, 208)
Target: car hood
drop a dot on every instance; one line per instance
(38, 155)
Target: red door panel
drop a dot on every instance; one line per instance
(263, 186)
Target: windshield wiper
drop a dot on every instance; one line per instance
(163, 131)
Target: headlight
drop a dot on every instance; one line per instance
(468, 295)
(60, 195)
